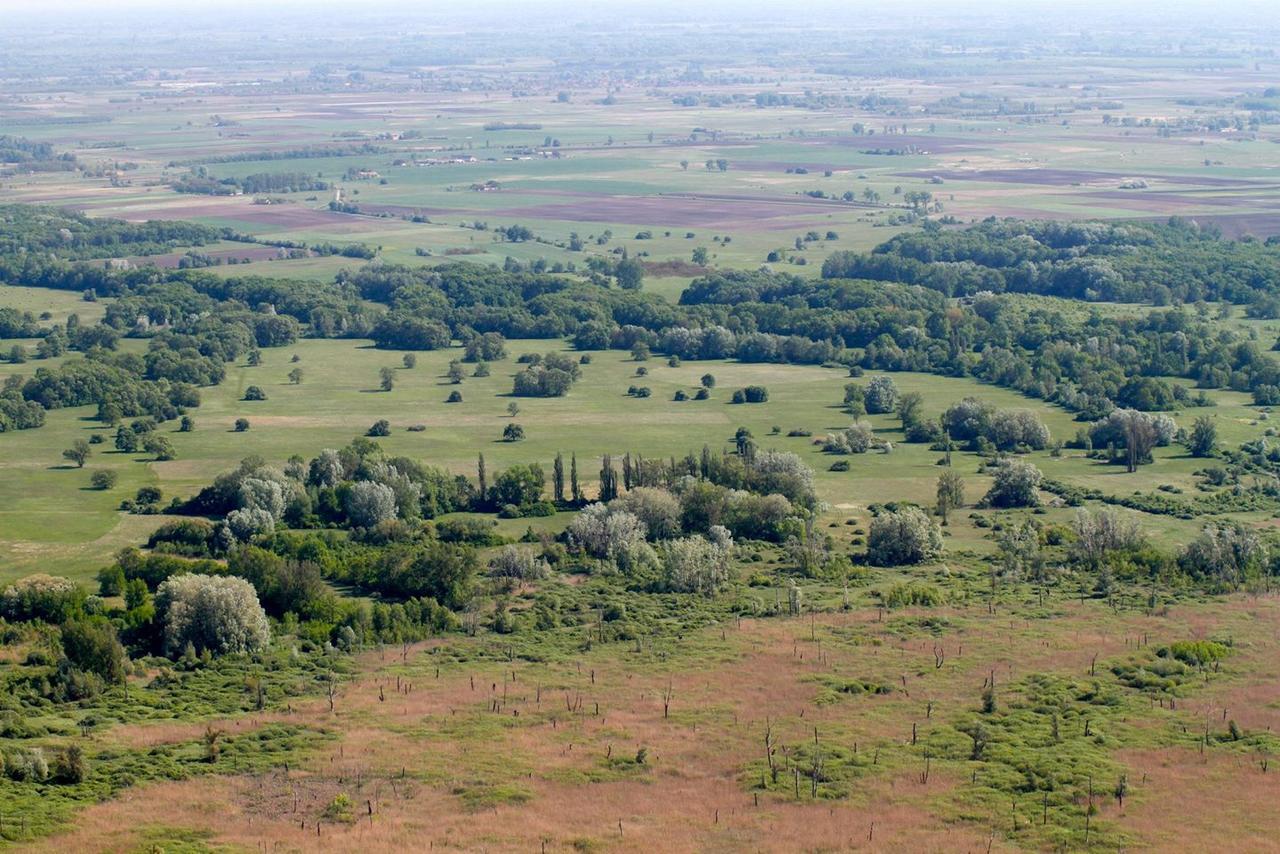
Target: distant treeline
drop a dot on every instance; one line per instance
(1088, 364)
(261, 182)
(21, 154)
(306, 152)
(1161, 263)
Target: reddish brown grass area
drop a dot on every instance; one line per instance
(528, 744)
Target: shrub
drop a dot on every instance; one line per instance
(218, 614)
(1015, 485)
(241, 425)
(881, 395)
(519, 563)
(904, 536)
(381, 427)
(42, 597)
(696, 564)
(455, 396)
(751, 394)
(103, 480)
(254, 392)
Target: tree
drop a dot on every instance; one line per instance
(456, 372)
(1015, 485)
(701, 256)
(708, 381)
(904, 536)
(241, 425)
(881, 395)
(103, 480)
(520, 485)
(697, 564)
(78, 453)
(513, 432)
(381, 427)
(1101, 533)
(603, 533)
(608, 479)
(220, 614)
(482, 477)
(367, 503)
(254, 392)
(387, 378)
(160, 446)
(950, 493)
(575, 488)
(1204, 437)
(557, 478)
(295, 376)
(656, 508)
(410, 361)
(1227, 555)
(910, 409)
(1139, 439)
(855, 400)
(91, 645)
(630, 274)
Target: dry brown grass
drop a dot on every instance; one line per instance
(530, 736)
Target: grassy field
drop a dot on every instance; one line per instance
(339, 398)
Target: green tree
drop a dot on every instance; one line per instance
(78, 453)
(950, 493)
(1203, 438)
(387, 378)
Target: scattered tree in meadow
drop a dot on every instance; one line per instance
(1015, 485)
(950, 493)
(881, 395)
(254, 392)
(103, 480)
(78, 453)
(903, 536)
(387, 379)
(1203, 439)
(295, 376)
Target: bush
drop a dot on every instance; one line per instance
(42, 597)
(901, 537)
(218, 614)
(242, 424)
(751, 394)
(519, 563)
(455, 396)
(381, 427)
(254, 392)
(696, 564)
(1016, 484)
(103, 480)
(881, 395)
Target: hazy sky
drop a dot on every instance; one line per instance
(335, 18)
